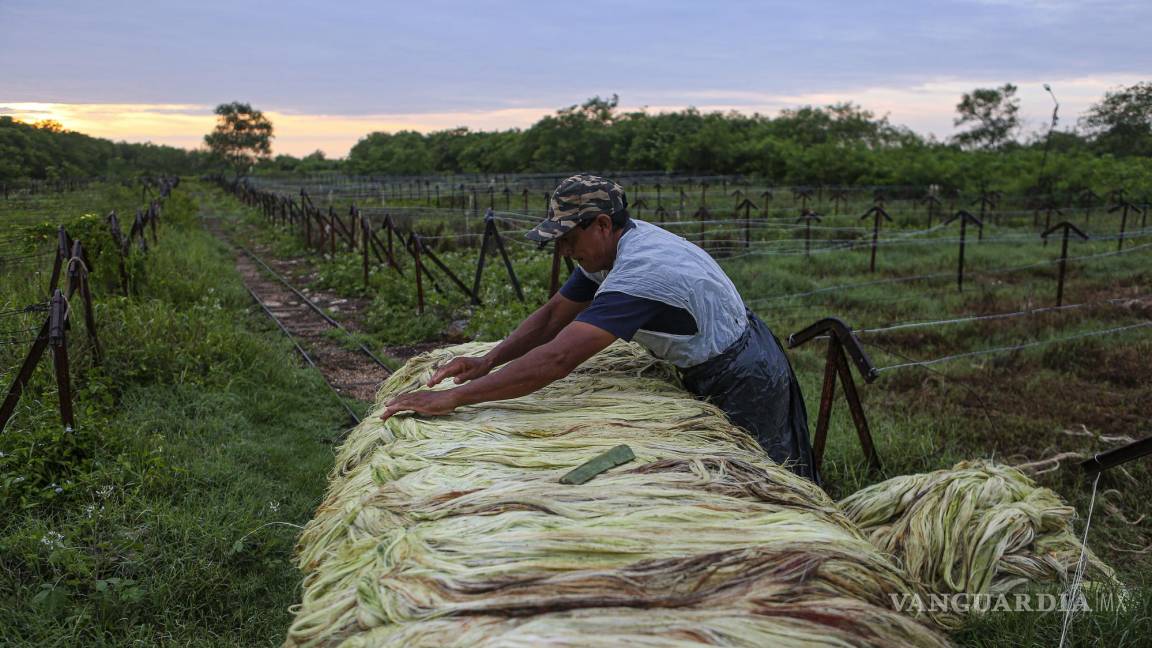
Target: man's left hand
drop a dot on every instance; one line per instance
(433, 403)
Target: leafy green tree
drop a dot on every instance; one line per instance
(993, 113)
(1122, 121)
(242, 136)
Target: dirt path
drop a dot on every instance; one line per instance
(350, 371)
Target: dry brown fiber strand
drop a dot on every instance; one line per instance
(454, 531)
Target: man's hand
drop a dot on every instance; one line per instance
(461, 370)
(434, 403)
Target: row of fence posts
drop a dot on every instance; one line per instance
(72, 259)
(42, 187)
(325, 230)
(330, 229)
(835, 197)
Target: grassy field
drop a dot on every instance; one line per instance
(201, 442)
(168, 515)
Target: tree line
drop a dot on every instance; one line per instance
(839, 144)
(46, 151)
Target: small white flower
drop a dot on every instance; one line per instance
(52, 540)
(274, 506)
(105, 491)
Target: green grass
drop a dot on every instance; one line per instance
(201, 446)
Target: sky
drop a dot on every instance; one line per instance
(328, 74)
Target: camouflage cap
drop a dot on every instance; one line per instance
(577, 199)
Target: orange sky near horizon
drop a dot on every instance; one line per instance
(927, 108)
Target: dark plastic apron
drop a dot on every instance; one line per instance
(753, 382)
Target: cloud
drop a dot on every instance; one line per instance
(16, 112)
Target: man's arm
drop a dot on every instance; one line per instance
(537, 368)
(538, 328)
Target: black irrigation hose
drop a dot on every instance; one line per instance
(303, 354)
(313, 306)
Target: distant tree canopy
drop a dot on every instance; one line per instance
(993, 115)
(837, 144)
(597, 136)
(1122, 121)
(46, 151)
(242, 136)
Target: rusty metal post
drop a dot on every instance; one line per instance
(1068, 228)
(121, 249)
(57, 323)
(827, 395)
(986, 201)
(1048, 209)
(1124, 205)
(807, 217)
(62, 248)
(932, 203)
(307, 226)
(415, 247)
(765, 198)
(365, 236)
(747, 206)
(83, 274)
(965, 218)
(837, 196)
(331, 232)
(877, 212)
(153, 208)
(507, 262)
(840, 341)
(856, 408)
(16, 389)
(389, 228)
(489, 227)
(446, 270)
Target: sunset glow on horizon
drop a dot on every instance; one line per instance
(927, 109)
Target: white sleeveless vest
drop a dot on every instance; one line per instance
(653, 263)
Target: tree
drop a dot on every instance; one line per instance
(993, 111)
(242, 136)
(1122, 121)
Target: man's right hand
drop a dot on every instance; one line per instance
(461, 370)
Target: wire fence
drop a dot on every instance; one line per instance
(1017, 347)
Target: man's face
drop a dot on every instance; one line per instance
(594, 247)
